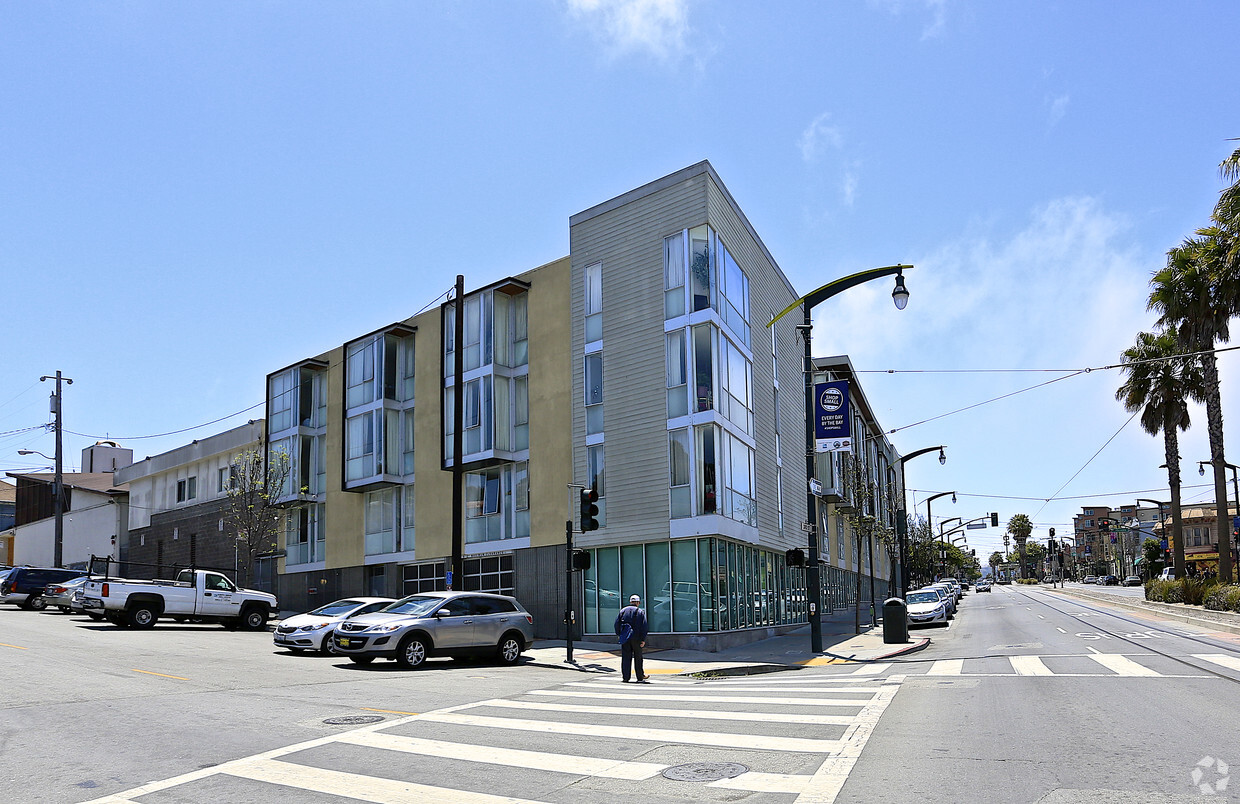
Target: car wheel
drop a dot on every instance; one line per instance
(143, 616)
(63, 609)
(412, 652)
(361, 659)
(328, 648)
(509, 649)
(253, 619)
(95, 616)
(36, 602)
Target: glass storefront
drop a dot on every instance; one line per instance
(709, 584)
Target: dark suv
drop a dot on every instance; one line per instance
(24, 585)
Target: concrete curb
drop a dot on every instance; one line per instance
(921, 644)
(1150, 607)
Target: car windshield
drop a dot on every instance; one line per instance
(337, 608)
(923, 597)
(414, 604)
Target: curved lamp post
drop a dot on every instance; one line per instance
(807, 302)
(902, 513)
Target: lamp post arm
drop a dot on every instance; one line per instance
(816, 297)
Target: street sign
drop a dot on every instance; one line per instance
(807, 527)
(975, 525)
(815, 486)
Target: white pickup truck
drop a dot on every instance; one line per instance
(197, 594)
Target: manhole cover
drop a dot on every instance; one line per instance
(704, 771)
(354, 720)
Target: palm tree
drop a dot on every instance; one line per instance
(1159, 383)
(1020, 527)
(1196, 299)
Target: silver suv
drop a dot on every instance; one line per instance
(438, 624)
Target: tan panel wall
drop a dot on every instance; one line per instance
(551, 377)
(433, 486)
(343, 529)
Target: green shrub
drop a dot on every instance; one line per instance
(1195, 590)
(1164, 591)
(1027, 580)
(1223, 598)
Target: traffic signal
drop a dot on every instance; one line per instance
(581, 559)
(795, 557)
(994, 520)
(589, 510)
(1052, 533)
(1104, 525)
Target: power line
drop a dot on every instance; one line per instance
(171, 432)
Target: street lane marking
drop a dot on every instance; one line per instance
(763, 680)
(18, 647)
(1029, 666)
(1060, 630)
(161, 675)
(358, 786)
(830, 777)
(1230, 662)
(512, 757)
(765, 782)
(1122, 665)
(872, 670)
(694, 714)
(386, 711)
(748, 699)
(798, 744)
(946, 667)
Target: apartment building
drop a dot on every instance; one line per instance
(640, 365)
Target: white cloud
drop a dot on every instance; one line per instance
(1058, 107)
(819, 137)
(659, 27)
(937, 10)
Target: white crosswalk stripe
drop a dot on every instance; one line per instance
(824, 719)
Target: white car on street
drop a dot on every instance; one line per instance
(313, 630)
(926, 607)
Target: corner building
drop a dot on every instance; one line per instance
(641, 365)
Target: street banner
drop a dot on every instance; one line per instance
(832, 422)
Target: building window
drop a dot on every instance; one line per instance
(280, 402)
(701, 269)
(735, 382)
(703, 367)
(734, 295)
(679, 450)
(428, 576)
(489, 574)
(677, 375)
(360, 359)
(187, 489)
(484, 505)
(707, 501)
(226, 476)
(594, 302)
(674, 276)
(841, 545)
(382, 513)
(739, 502)
(360, 447)
(595, 480)
(594, 392)
(408, 529)
(304, 538)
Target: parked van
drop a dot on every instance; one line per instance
(24, 585)
(1168, 574)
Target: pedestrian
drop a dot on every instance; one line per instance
(632, 628)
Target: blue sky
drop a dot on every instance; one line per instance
(195, 194)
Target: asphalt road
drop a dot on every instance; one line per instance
(1028, 696)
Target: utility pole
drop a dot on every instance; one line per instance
(568, 586)
(457, 572)
(58, 481)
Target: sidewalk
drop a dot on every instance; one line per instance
(841, 645)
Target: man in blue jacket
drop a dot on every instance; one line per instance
(634, 617)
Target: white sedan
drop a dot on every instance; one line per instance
(926, 608)
(313, 630)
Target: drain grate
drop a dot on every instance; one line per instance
(704, 771)
(353, 720)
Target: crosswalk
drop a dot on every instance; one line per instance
(790, 736)
(1077, 665)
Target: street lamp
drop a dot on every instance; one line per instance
(58, 501)
(902, 513)
(807, 302)
(1201, 470)
(929, 517)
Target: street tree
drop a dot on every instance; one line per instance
(1152, 557)
(251, 512)
(1196, 298)
(996, 558)
(1020, 527)
(1159, 381)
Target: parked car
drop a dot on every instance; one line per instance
(60, 595)
(1168, 574)
(945, 595)
(1132, 580)
(313, 630)
(198, 594)
(926, 607)
(24, 585)
(428, 624)
(1109, 580)
(1090, 579)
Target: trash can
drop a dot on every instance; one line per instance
(895, 621)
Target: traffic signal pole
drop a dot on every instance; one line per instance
(568, 586)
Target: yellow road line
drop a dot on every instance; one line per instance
(18, 647)
(388, 711)
(161, 675)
